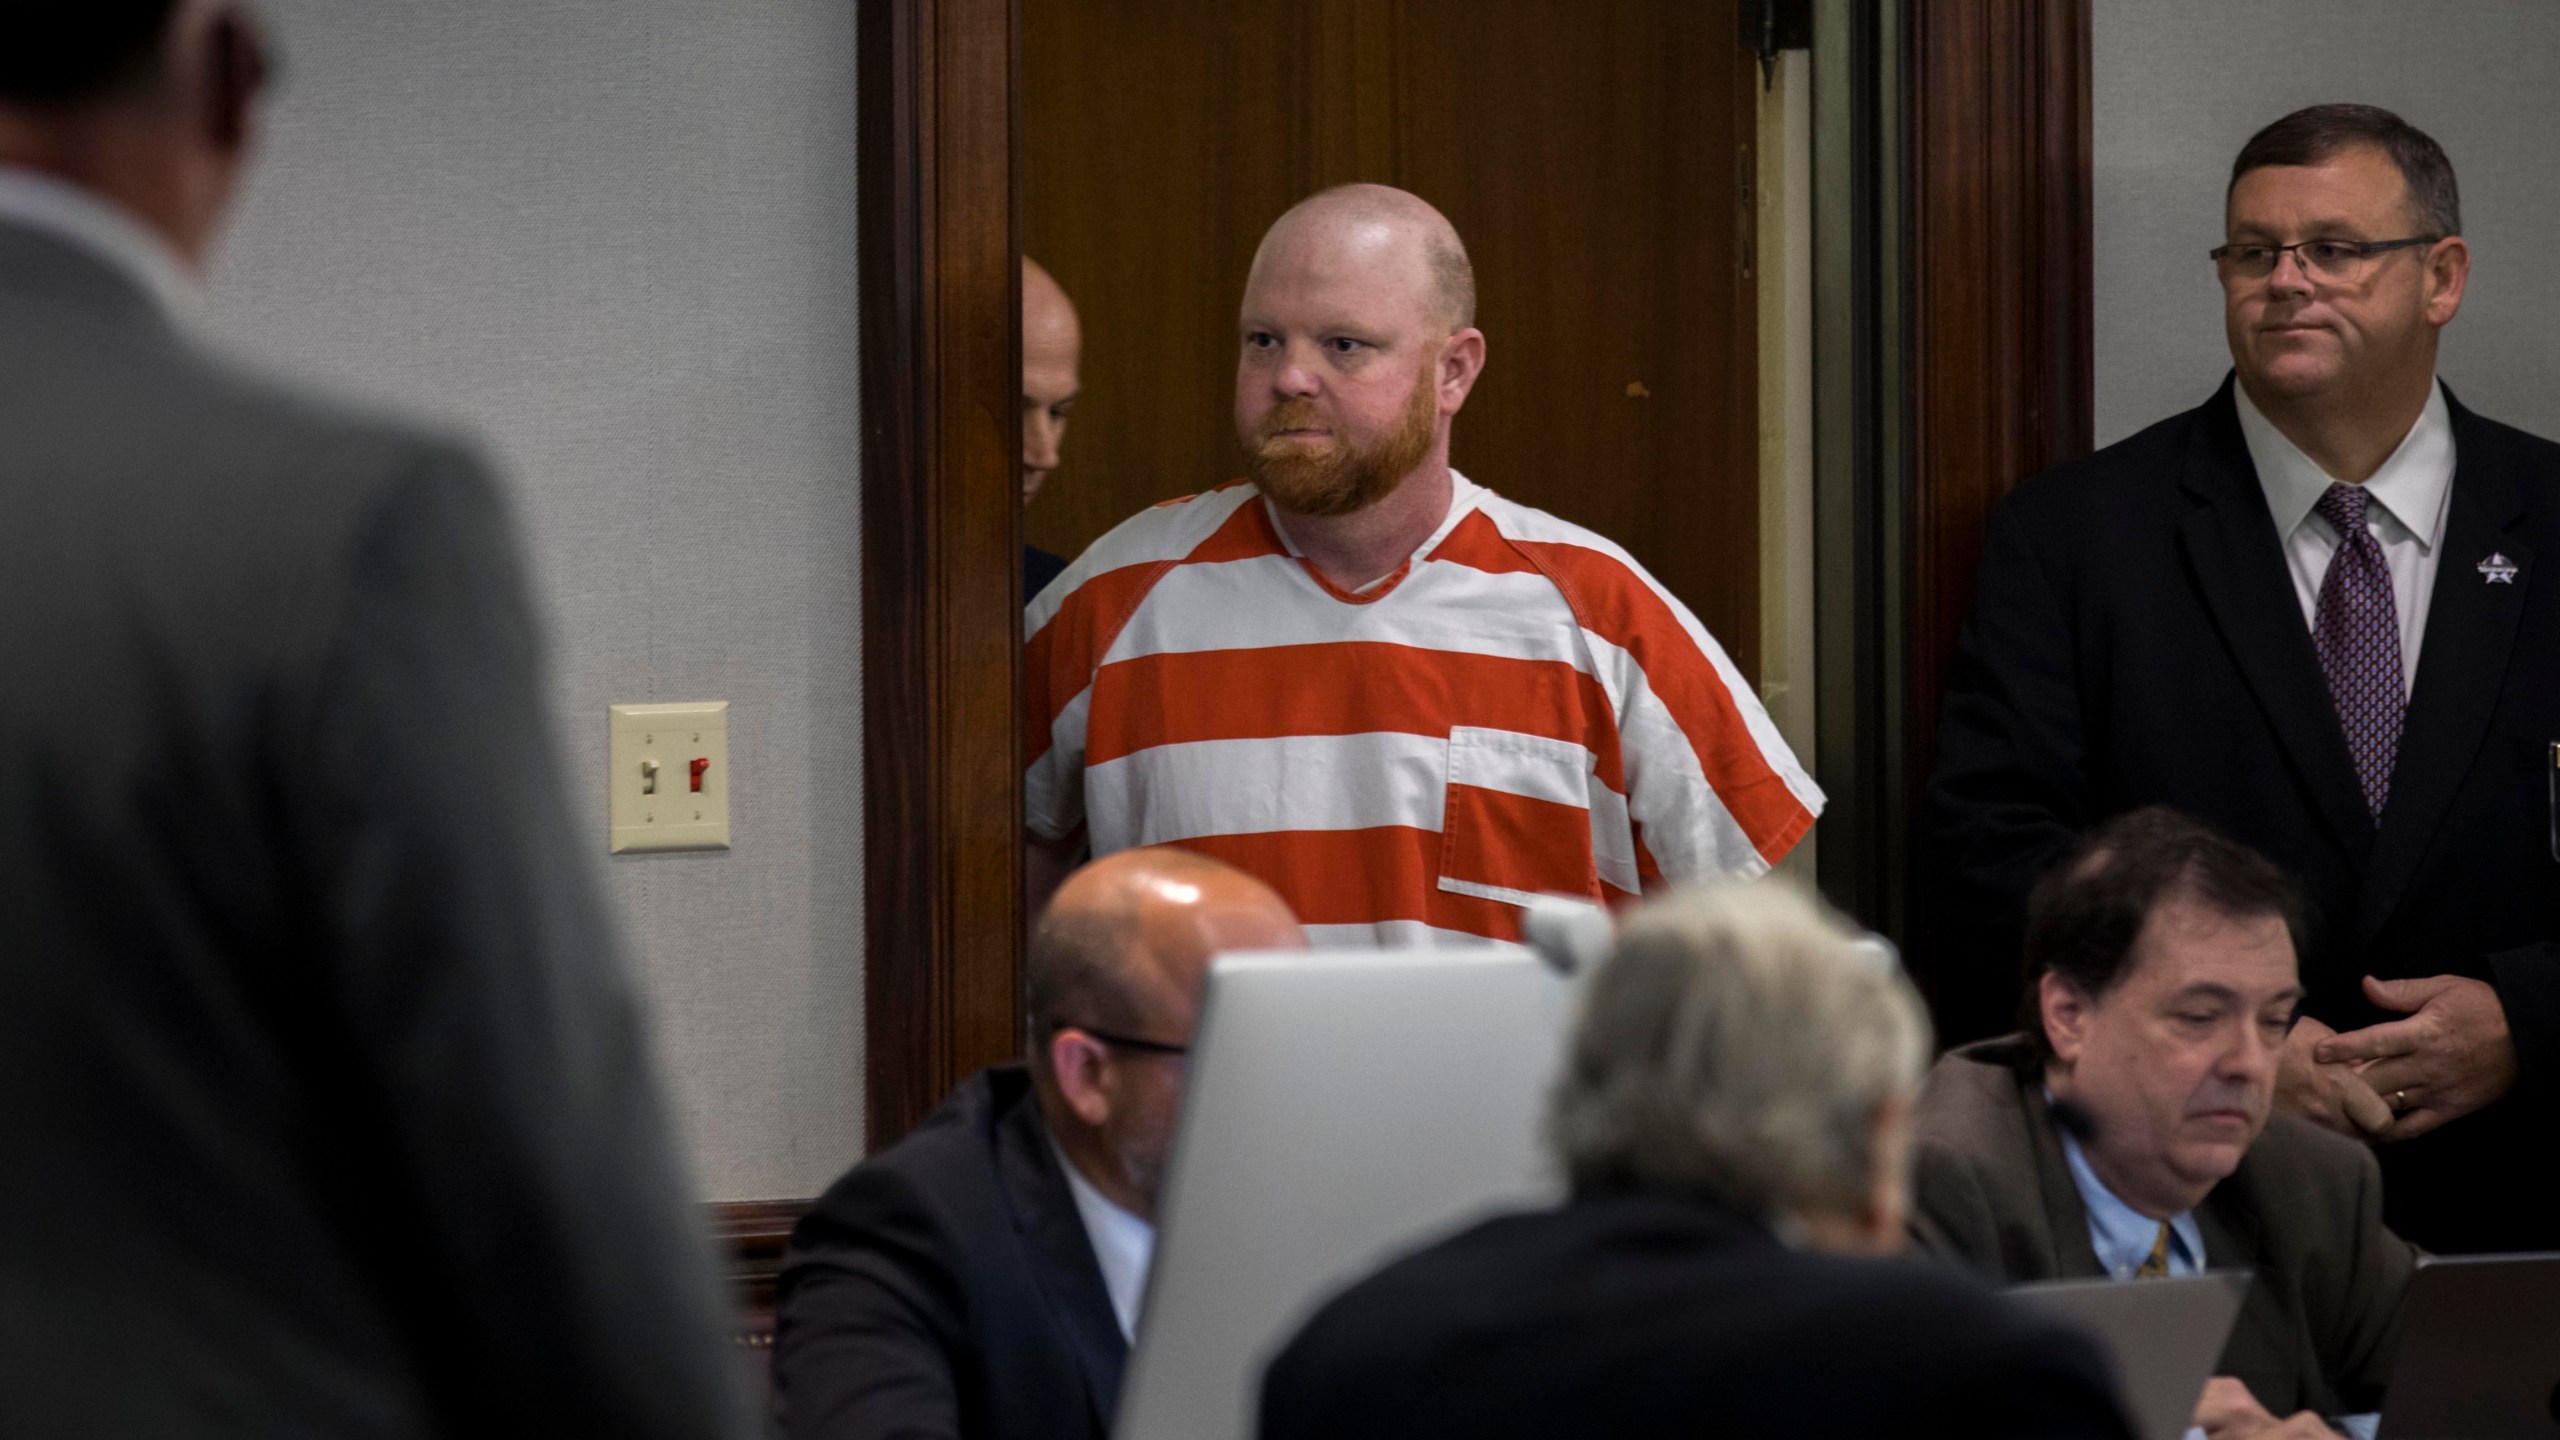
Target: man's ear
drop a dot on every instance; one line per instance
(237, 69)
(2448, 272)
(2064, 1009)
(1077, 1061)
(1461, 361)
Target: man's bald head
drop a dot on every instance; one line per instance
(1379, 228)
(1116, 971)
(1048, 316)
(1052, 349)
(1126, 942)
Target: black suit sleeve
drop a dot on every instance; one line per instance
(2528, 985)
(494, 1067)
(2011, 786)
(869, 1319)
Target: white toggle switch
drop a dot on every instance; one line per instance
(688, 742)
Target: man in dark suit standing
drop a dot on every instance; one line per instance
(980, 1279)
(2127, 1132)
(2308, 612)
(328, 1111)
(1734, 1117)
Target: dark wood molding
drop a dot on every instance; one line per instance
(1999, 312)
(941, 523)
(752, 1234)
(2000, 299)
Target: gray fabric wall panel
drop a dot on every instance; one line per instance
(2180, 85)
(617, 241)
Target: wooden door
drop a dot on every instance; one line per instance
(1593, 155)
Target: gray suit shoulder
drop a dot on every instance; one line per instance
(345, 439)
(1970, 1100)
(155, 418)
(1974, 1187)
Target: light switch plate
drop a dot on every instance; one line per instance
(651, 758)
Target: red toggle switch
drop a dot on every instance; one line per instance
(700, 764)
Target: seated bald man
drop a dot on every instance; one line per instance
(2163, 984)
(1407, 703)
(1052, 347)
(979, 1280)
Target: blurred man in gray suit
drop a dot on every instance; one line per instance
(326, 1107)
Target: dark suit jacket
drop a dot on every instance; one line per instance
(2136, 639)
(2304, 1211)
(1039, 567)
(1636, 1316)
(945, 1288)
(328, 1111)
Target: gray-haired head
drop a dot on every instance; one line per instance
(1739, 1042)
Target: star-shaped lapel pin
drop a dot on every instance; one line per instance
(2497, 570)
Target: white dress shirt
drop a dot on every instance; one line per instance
(100, 227)
(2407, 512)
(1123, 1244)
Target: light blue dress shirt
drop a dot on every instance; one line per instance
(2123, 1237)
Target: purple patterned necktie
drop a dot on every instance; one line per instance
(2357, 632)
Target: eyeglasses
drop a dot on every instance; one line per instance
(2319, 259)
(1127, 1042)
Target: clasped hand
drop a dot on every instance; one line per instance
(2402, 1078)
(2229, 1412)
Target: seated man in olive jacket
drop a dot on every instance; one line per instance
(2126, 1131)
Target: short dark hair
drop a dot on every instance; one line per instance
(2315, 133)
(63, 52)
(2087, 912)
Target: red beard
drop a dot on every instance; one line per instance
(1337, 478)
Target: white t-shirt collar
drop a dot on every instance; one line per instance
(1463, 495)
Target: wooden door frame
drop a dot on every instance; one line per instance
(939, 89)
(938, 99)
(2001, 353)
(1952, 356)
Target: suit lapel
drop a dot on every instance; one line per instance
(2238, 563)
(2263, 1341)
(2075, 1256)
(2462, 664)
(1061, 1255)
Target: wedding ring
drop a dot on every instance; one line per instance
(2399, 1102)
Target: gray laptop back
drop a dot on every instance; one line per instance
(1342, 1107)
(2479, 1351)
(2164, 1336)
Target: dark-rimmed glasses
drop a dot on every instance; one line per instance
(1128, 1042)
(2319, 259)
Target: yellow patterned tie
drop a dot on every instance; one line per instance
(2157, 1267)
